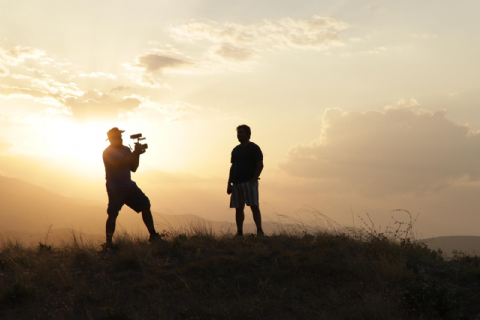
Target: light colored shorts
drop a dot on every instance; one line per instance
(244, 193)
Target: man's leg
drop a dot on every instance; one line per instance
(239, 217)
(257, 217)
(148, 220)
(110, 228)
(115, 204)
(139, 202)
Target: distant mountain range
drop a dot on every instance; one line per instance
(466, 244)
(28, 211)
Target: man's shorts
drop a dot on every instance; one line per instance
(244, 193)
(130, 194)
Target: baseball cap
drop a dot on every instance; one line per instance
(114, 132)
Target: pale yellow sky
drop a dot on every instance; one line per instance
(361, 104)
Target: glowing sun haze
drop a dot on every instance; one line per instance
(369, 105)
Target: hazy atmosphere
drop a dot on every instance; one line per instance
(358, 106)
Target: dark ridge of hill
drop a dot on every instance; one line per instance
(448, 244)
(200, 276)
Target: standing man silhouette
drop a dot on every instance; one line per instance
(119, 161)
(247, 164)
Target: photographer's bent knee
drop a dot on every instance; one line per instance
(112, 212)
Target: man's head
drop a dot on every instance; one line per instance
(243, 133)
(115, 137)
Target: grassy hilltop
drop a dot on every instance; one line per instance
(203, 276)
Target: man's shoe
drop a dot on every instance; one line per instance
(239, 234)
(260, 233)
(107, 246)
(154, 237)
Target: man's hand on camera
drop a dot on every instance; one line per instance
(138, 149)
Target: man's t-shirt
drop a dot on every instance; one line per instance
(116, 176)
(244, 160)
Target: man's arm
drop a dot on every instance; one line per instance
(120, 162)
(136, 160)
(258, 171)
(124, 161)
(135, 163)
(230, 174)
(259, 164)
(229, 184)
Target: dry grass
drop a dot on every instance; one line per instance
(323, 273)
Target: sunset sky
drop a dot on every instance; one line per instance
(358, 106)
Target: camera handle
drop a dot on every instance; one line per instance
(139, 138)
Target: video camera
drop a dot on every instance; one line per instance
(138, 136)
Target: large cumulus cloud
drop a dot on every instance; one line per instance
(397, 150)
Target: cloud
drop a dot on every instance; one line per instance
(94, 104)
(230, 46)
(423, 36)
(233, 46)
(26, 93)
(21, 77)
(3, 71)
(48, 81)
(317, 33)
(37, 78)
(62, 90)
(230, 52)
(11, 92)
(374, 51)
(402, 103)
(97, 75)
(15, 55)
(36, 72)
(146, 80)
(393, 151)
(154, 62)
(146, 65)
(173, 112)
(356, 39)
(121, 88)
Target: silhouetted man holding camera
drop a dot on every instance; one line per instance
(119, 161)
(247, 164)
